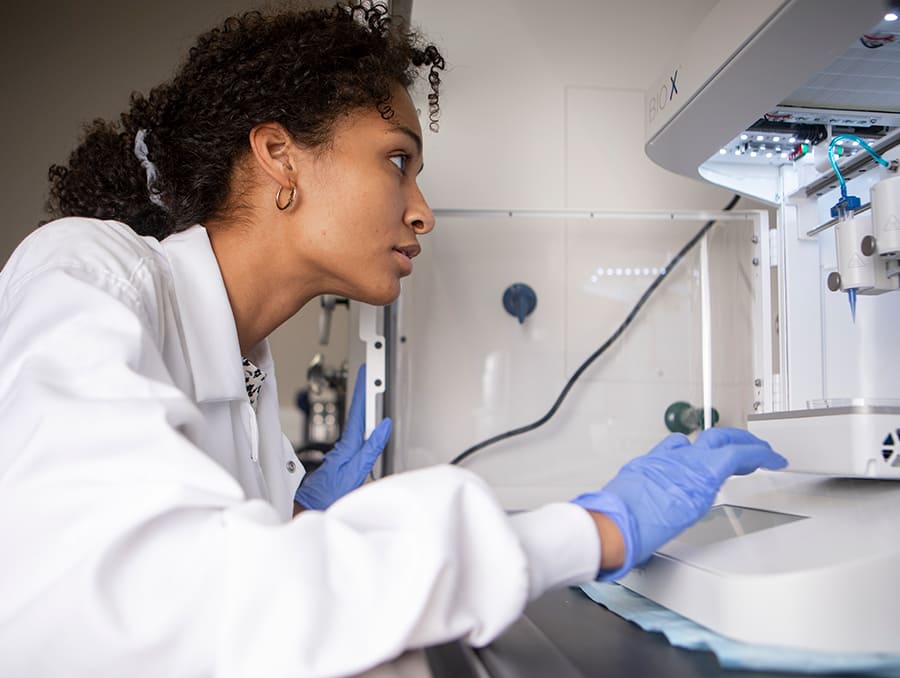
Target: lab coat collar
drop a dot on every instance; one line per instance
(207, 319)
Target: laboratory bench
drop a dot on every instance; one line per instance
(564, 634)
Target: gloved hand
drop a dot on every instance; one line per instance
(348, 463)
(656, 496)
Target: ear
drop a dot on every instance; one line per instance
(270, 146)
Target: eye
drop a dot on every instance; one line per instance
(400, 161)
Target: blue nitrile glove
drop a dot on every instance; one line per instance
(348, 463)
(654, 497)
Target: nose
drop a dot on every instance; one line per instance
(418, 216)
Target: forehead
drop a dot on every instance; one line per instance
(405, 113)
(371, 124)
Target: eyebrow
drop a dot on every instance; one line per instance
(417, 140)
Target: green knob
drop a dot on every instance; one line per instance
(682, 417)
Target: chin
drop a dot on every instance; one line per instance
(380, 297)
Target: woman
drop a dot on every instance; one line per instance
(146, 492)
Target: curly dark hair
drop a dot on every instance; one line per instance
(304, 69)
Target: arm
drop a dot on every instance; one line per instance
(612, 551)
(655, 497)
(118, 521)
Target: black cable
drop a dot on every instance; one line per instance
(600, 351)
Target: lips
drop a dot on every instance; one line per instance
(409, 251)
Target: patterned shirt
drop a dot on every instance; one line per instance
(253, 380)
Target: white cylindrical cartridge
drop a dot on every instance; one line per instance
(886, 217)
(855, 267)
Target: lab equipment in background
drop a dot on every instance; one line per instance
(519, 300)
(323, 401)
(886, 215)
(327, 303)
(802, 559)
(861, 267)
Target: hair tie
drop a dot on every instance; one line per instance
(140, 152)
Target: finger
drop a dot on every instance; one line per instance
(720, 437)
(374, 445)
(746, 459)
(380, 435)
(770, 459)
(356, 417)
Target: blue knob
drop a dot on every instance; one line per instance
(519, 300)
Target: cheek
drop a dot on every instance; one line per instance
(356, 212)
(371, 218)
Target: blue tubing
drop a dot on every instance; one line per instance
(852, 137)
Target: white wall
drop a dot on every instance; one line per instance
(542, 108)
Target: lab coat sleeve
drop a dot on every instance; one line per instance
(128, 551)
(561, 546)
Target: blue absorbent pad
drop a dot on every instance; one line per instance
(733, 654)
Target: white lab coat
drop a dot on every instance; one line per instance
(145, 509)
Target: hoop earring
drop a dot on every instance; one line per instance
(290, 199)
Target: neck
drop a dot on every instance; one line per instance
(262, 292)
